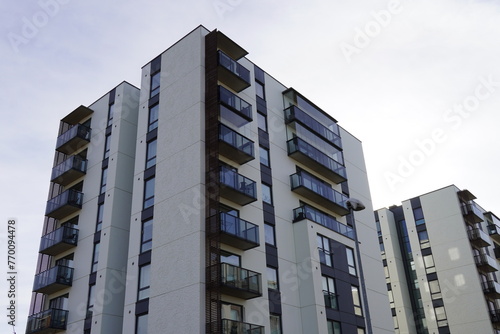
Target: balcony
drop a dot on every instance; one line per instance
(69, 170)
(491, 289)
(53, 280)
(295, 114)
(318, 161)
(315, 215)
(495, 317)
(231, 73)
(234, 146)
(239, 282)
(472, 213)
(330, 299)
(71, 140)
(494, 232)
(478, 238)
(64, 204)
(238, 327)
(318, 191)
(234, 109)
(235, 231)
(237, 188)
(59, 240)
(486, 263)
(50, 321)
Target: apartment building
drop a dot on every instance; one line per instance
(226, 204)
(440, 254)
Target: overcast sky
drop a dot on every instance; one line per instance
(418, 82)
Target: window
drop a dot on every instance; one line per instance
(429, 264)
(379, 229)
(230, 258)
(267, 194)
(262, 122)
(104, 180)
(111, 111)
(91, 301)
(424, 239)
(333, 327)
(153, 117)
(269, 232)
(361, 330)
(272, 278)
(419, 216)
(231, 311)
(391, 298)
(329, 292)
(325, 254)
(144, 279)
(259, 90)
(60, 302)
(356, 300)
(350, 261)
(441, 316)
(155, 84)
(275, 324)
(435, 289)
(264, 156)
(100, 214)
(151, 154)
(141, 326)
(146, 235)
(95, 257)
(107, 144)
(149, 192)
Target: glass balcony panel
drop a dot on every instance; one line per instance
(494, 232)
(233, 108)
(235, 146)
(472, 213)
(49, 321)
(59, 240)
(53, 280)
(64, 204)
(232, 74)
(492, 289)
(486, 263)
(240, 282)
(330, 299)
(308, 212)
(71, 140)
(315, 159)
(237, 188)
(235, 231)
(295, 114)
(321, 192)
(238, 327)
(479, 238)
(69, 170)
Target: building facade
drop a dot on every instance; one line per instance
(440, 254)
(228, 211)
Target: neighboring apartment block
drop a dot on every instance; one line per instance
(440, 253)
(213, 199)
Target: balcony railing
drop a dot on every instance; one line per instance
(232, 74)
(53, 280)
(235, 146)
(295, 114)
(233, 108)
(235, 231)
(486, 263)
(318, 161)
(472, 213)
(73, 139)
(64, 204)
(478, 238)
(495, 317)
(49, 321)
(308, 212)
(318, 191)
(59, 240)
(69, 170)
(330, 299)
(238, 327)
(237, 188)
(494, 232)
(491, 288)
(239, 282)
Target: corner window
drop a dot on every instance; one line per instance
(155, 84)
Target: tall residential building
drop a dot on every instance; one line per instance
(212, 200)
(440, 253)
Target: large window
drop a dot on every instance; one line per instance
(429, 264)
(155, 84)
(149, 192)
(91, 301)
(269, 233)
(144, 279)
(107, 146)
(104, 180)
(95, 257)
(441, 316)
(262, 122)
(259, 90)
(356, 300)
(151, 154)
(325, 254)
(111, 111)
(423, 237)
(100, 214)
(329, 292)
(350, 261)
(146, 235)
(267, 196)
(141, 326)
(153, 117)
(264, 156)
(275, 324)
(435, 289)
(333, 327)
(418, 214)
(272, 278)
